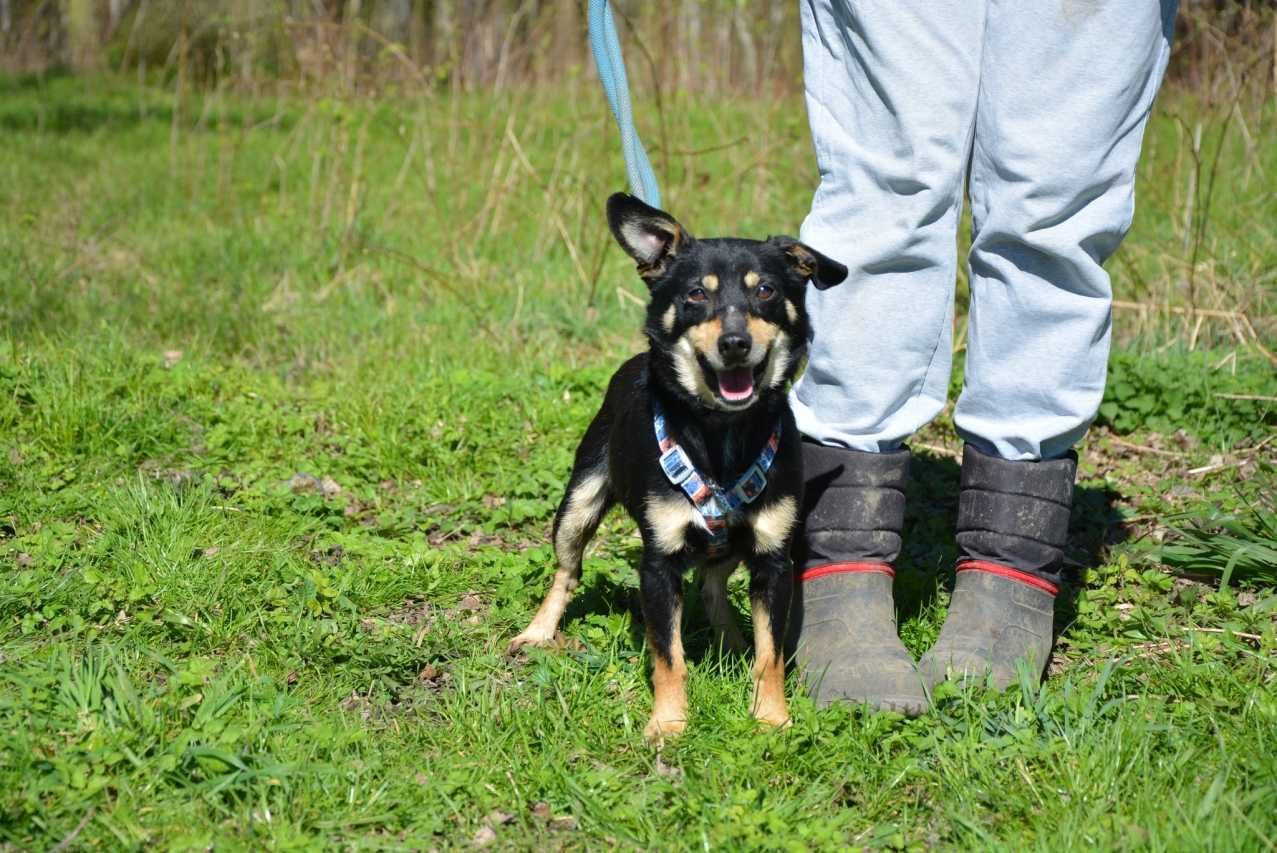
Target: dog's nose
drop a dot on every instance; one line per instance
(733, 346)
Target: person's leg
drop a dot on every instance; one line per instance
(891, 92)
(1065, 91)
(891, 98)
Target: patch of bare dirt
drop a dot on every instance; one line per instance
(302, 483)
(414, 613)
(329, 556)
(470, 610)
(159, 471)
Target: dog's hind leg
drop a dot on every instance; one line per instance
(587, 498)
(718, 609)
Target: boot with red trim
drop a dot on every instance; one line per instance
(1013, 523)
(843, 619)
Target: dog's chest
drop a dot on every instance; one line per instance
(677, 526)
(700, 514)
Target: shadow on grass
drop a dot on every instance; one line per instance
(62, 104)
(25, 81)
(924, 569)
(53, 104)
(606, 594)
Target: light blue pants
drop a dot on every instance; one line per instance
(1041, 106)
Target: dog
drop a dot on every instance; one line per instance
(696, 440)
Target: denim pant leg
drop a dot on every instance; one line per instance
(1056, 94)
(891, 96)
(1066, 87)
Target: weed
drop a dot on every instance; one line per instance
(1192, 392)
(1239, 545)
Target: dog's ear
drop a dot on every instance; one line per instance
(823, 271)
(649, 236)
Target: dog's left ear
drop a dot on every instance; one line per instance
(649, 236)
(823, 271)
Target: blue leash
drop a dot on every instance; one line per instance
(607, 58)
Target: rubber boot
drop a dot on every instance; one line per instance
(843, 619)
(1013, 523)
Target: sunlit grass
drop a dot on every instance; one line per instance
(208, 307)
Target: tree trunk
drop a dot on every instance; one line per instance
(84, 47)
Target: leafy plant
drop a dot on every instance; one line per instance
(1184, 391)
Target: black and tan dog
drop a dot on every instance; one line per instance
(696, 440)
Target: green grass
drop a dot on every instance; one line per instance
(205, 310)
(1238, 544)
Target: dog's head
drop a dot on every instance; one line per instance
(727, 316)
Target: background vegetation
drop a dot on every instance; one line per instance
(301, 314)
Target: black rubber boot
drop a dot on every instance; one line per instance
(843, 619)
(1013, 522)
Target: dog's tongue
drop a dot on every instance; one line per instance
(736, 383)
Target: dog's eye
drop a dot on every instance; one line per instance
(765, 292)
(697, 295)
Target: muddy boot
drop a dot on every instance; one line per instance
(843, 619)
(1013, 521)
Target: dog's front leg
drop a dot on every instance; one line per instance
(771, 586)
(661, 588)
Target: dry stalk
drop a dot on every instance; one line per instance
(521, 157)
(1142, 448)
(443, 280)
(1255, 638)
(1240, 324)
(478, 224)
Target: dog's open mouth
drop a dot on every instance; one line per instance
(734, 387)
(736, 384)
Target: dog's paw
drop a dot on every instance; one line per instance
(775, 719)
(530, 637)
(658, 730)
